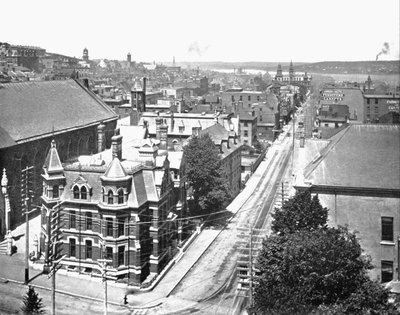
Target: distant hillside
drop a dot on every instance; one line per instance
(339, 67)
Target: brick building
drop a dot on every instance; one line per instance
(123, 204)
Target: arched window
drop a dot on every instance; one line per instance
(83, 192)
(76, 192)
(120, 196)
(110, 198)
(55, 191)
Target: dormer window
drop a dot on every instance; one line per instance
(76, 192)
(110, 197)
(120, 196)
(83, 192)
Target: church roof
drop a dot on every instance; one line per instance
(36, 109)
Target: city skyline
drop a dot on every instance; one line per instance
(302, 31)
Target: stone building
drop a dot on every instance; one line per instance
(34, 113)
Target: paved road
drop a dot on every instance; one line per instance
(209, 281)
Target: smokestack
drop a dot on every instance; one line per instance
(144, 93)
(158, 124)
(116, 144)
(100, 137)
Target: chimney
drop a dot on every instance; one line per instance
(144, 93)
(116, 144)
(163, 138)
(101, 137)
(172, 122)
(158, 124)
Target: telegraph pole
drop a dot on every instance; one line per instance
(26, 195)
(103, 264)
(54, 251)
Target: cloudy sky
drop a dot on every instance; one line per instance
(207, 30)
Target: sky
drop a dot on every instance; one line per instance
(207, 30)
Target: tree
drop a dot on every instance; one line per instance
(307, 267)
(302, 212)
(203, 170)
(32, 303)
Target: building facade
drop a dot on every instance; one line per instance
(356, 178)
(116, 208)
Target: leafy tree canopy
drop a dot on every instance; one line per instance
(203, 170)
(307, 267)
(302, 212)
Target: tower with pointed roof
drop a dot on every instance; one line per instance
(54, 183)
(291, 71)
(279, 73)
(85, 56)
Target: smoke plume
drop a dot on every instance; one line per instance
(385, 49)
(194, 47)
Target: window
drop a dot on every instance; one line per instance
(245, 123)
(120, 196)
(89, 224)
(109, 227)
(246, 133)
(120, 227)
(83, 192)
(258, 98)
(367, 100)
(108, 253)
(104, 195)
(72, 220)
(121, 255)
(387, 271)
(88, 249)
(233, 98)
(387, 229)
(55, 191)
(76, 192)
(72, 247)
(249, 98)
(240, 98)
(376, 101)
(110, 198)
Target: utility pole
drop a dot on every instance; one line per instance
(103, 265)
(26, 195)
(54, 250)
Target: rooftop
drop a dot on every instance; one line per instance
(40, 108)
(363, 156)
